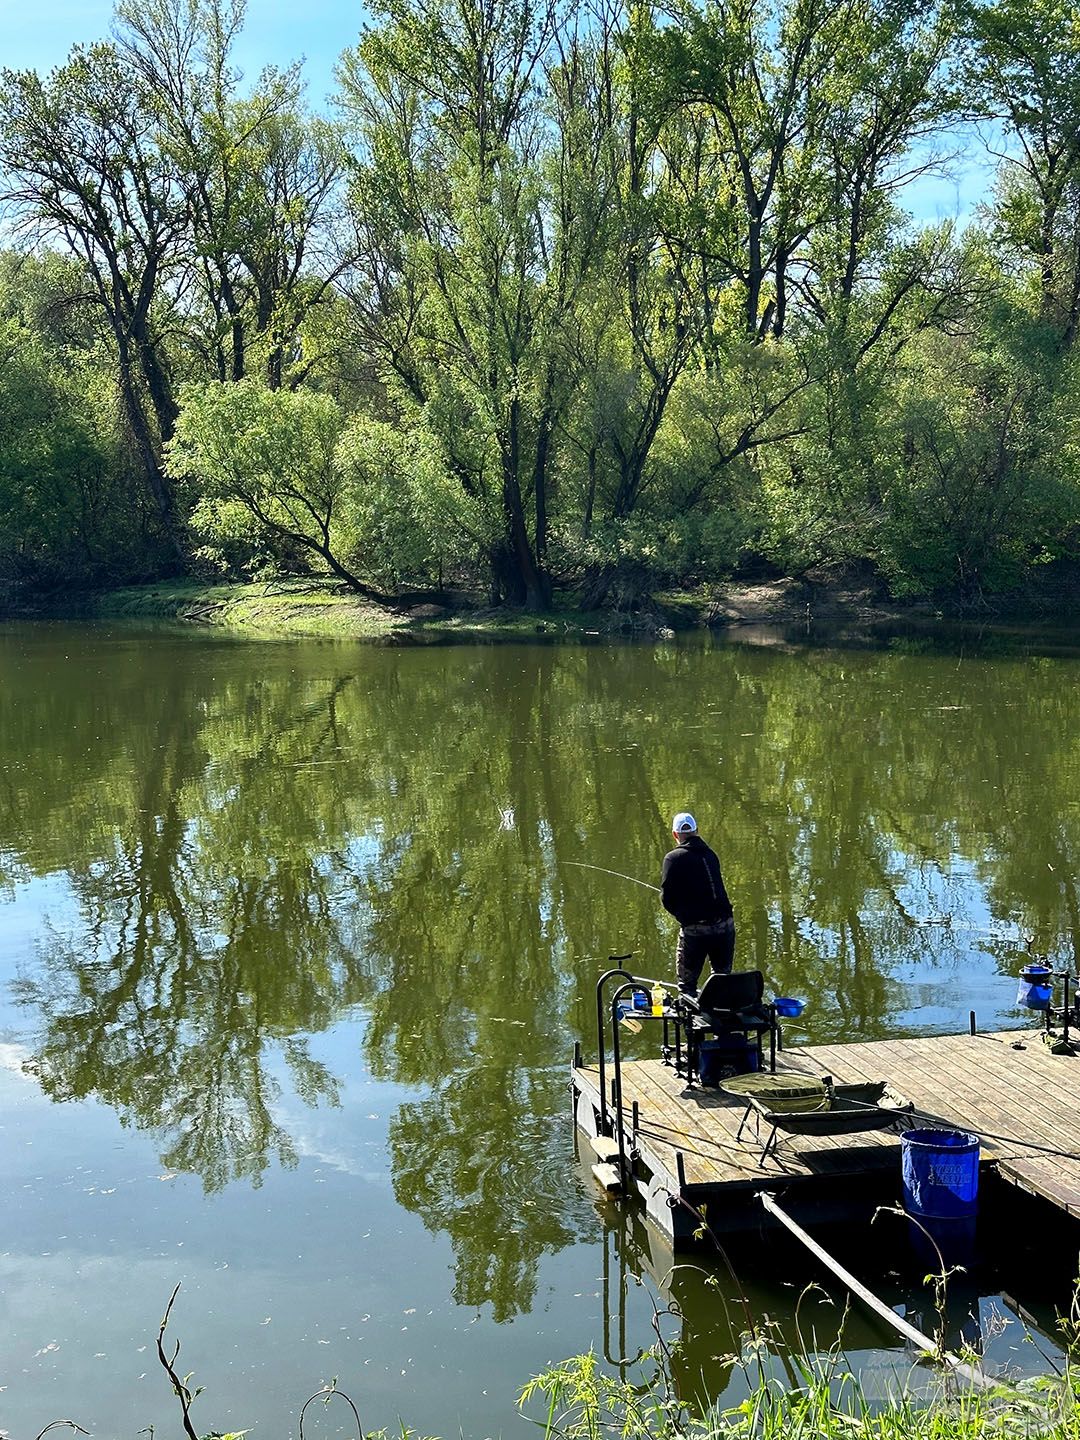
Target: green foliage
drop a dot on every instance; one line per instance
(69, 512)
(277, 475)
(262, 468)
(821, 1401)
(411, 521)
(609, 306)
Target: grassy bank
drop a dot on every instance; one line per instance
(314, 607)
(820, 1401)
(320, 607)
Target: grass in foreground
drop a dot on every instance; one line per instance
(582, 1402)
(819, 1399)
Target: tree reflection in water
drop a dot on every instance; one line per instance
(258, 840)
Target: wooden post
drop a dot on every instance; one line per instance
(857, 1288)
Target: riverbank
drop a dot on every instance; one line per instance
(821, 1400)
(319, 607)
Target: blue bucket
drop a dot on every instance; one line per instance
(940, 1170)
(1036, 987)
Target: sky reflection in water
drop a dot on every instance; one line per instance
(293, 932)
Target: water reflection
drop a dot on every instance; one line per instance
(763, 1308)
(258, 840)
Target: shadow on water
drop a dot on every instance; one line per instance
(740, 1308)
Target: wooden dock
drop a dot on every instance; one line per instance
(1024, 1103)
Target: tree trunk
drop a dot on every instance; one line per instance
(507, 587)
(590, 495)
(526, 583)
(148, 452)
(754, 278)
(157, 383)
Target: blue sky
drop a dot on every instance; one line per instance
(39, 33)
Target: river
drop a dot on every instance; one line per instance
(295, 942)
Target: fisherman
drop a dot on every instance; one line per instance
(692, 889)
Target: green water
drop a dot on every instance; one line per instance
(294, 946)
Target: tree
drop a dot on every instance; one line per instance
(760, 70)
(262, 179)
(478, 236)
(785, 133)
(84, 166)
(1023, 69)
(53, 469)
(72, 507)
(254, 455)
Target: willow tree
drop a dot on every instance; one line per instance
(202, 217)
(760, 71)
(262, 179)
(477, 235)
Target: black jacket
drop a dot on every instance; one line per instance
(691, 885)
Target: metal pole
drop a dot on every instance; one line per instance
(604, 1124)
(616, 1060)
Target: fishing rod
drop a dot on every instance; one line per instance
(617, 873)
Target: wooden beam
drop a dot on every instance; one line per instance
(974, 1377)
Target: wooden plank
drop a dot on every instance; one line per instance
(1051, 1080)
(607, 1177)
(703, 1118)
(705, 1133)
(1039, 1181)
(1009, 1101)
(977, 1083)
(989, 1112)
(925, 1081)
(714, 1121)
(678, 1132)
(1000, 1100)
(654, 1104)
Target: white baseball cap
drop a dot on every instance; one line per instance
(684, 824)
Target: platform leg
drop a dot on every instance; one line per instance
(768, 1147)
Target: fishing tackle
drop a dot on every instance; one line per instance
(581, 865)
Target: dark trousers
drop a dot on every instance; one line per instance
(698, 943)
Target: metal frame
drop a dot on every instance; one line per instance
(776, 1042)
(605, 1123)
(611, 1124)
(1068, 1009)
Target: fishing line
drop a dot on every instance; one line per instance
(581, 865)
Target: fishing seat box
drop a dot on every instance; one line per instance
(725, 1056)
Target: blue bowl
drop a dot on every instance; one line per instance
(787, 1007)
